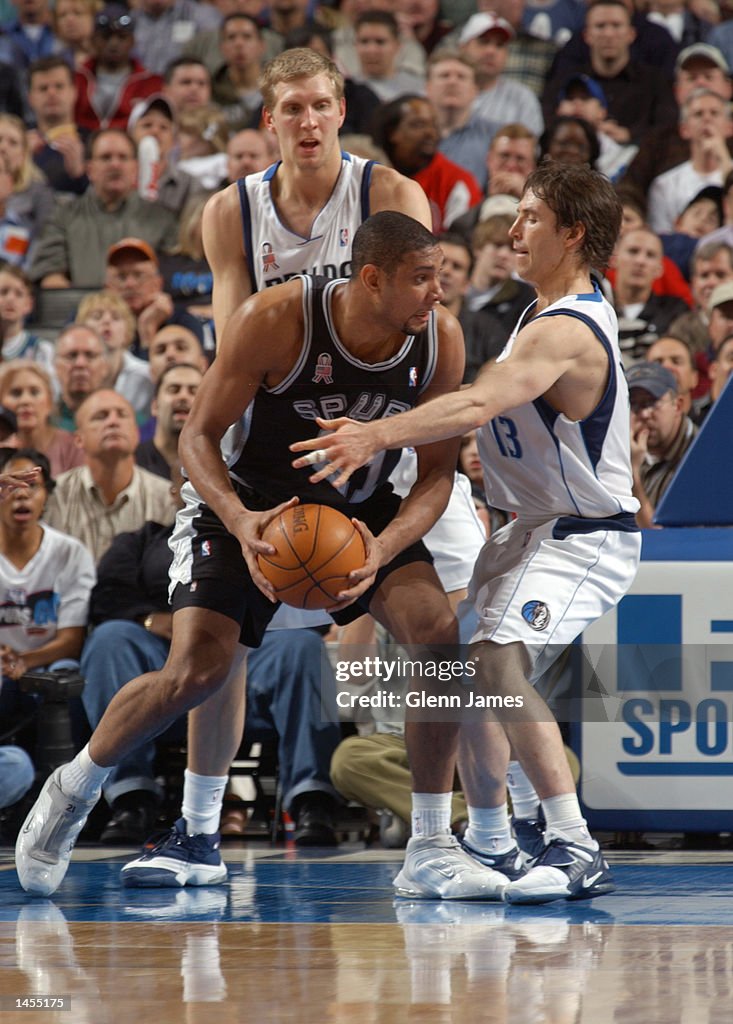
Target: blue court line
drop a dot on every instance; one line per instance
(361, 893)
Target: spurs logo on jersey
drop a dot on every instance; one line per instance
(276, 254)
(287, 413)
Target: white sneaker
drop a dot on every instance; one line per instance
(566, 870)
(436, 868)
(44, 845)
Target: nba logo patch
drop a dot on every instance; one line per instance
(206, 548)
(413, 376)
(537, 614)
(324, 369)
(269, 261)
(343, 237)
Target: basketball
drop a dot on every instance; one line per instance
(316, 547)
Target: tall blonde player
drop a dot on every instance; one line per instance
(265, 228)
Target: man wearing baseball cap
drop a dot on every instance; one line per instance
(152, 120)
(700, 66)
(484, 40)
(638, 94)
(134, 274)
(661, 433)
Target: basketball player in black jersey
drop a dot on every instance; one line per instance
(387, 317)
(303, 94)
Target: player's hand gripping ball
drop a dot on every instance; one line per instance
(316, 547)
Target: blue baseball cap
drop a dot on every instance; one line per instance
(591, 86)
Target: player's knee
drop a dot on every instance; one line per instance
(436, 625)
(188, 685)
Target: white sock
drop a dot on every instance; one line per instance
(431, 813)
(525, 802)
(562, 814)
(203, 796)
(82, 777)
(488, 829)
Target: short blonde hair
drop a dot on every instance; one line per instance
(11, 369)
(106, 300)
(300, 62)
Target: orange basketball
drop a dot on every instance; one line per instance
(316, 547)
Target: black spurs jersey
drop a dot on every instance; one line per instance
(325, 381)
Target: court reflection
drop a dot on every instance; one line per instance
(436, 963)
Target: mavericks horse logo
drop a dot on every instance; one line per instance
(537, 614)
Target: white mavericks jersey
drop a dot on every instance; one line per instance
(50, 593)
(275, 253)
(539, 464)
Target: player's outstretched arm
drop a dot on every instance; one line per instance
(542, 354)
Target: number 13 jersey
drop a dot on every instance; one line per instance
(538, 463)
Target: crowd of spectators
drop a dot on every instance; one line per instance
(118, 123)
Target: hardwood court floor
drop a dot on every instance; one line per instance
(317, 937)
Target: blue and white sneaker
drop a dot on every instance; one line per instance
(177, 860)
(437, 868)
(44, 844)
(530, 836)
(564, 871)
(509, 864)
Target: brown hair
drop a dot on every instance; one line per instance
(513, 130)
(576, 194)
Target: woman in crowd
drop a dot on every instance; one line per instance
(31, 200)
(570, 140)
(25, 389)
